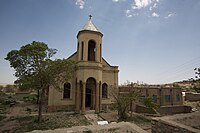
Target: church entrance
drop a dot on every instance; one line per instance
(90, 93)
(88, 98)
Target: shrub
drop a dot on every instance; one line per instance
(30, 98)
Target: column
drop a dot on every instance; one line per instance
(97, 99)
(77, 98)
(93, 98)
(100, 96)
(83, 98)
(172, 98)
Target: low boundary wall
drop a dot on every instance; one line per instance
(168, 124)
(192, 96)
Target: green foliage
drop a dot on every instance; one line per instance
(1, 87)
(151, 105)
(148, 102)
(123, 102)
(196, 89)
(34, 68)
(30, 98)
(196, 84)
(10, 88)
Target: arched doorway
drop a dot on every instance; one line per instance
(90, 93)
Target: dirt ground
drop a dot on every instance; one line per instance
(22, 117)
(194, 105)
(13, 119)
(192, 119)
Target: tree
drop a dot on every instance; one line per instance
(1, 87)
(35, 69)
(196, 81)
(10, 88)
(149, 103)
(123, 101)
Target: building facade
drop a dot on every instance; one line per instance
(89, 89)
(162, 96)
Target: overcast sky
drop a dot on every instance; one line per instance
(152, 41)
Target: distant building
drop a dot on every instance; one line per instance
(163, 96)
(88, 90)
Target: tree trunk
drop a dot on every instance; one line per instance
(41, 105)
(38, 96)
(131, 108)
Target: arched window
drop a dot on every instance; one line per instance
(91, 50)
(66, 92)
(104, 90)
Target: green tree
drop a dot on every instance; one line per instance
(1, 87)
(149, 103)
(196, 85)
(123, 101)
(35, 69)
(10, 88)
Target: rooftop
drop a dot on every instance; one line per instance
(90, 26)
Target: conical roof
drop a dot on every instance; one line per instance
(90, 26)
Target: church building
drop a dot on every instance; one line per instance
(91, 86)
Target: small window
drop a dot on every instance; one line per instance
(178, 98)
(154, 98)
(141, 99)
(104, 90)
(167, 98)
(66, 92)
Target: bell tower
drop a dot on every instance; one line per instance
(89, 88)
(89, 41)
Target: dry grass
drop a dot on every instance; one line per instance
(50, 121)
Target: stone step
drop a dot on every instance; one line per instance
(89, 112)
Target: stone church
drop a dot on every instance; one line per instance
(91, 86)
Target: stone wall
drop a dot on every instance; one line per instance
(163, 110)
(143, 109)
(169, 110)
(169, 124)
(192, 96)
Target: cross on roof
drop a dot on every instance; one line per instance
(90, 17)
